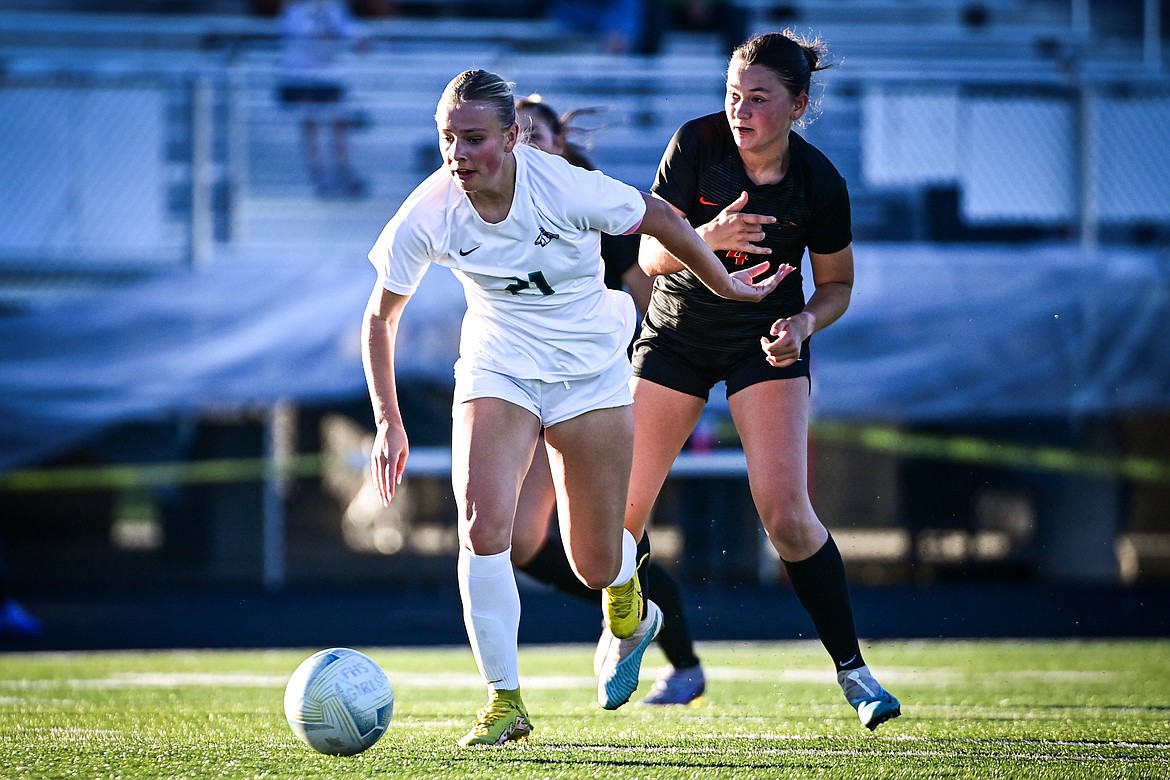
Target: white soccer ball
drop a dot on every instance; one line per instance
(338, 701)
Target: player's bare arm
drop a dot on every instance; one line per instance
(379, 333)
(682, 244)
(654, 260)
(653, 257)
(833, 280)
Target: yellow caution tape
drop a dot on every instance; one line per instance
(966, 449)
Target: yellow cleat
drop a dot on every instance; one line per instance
(502, 719)
(622, 606)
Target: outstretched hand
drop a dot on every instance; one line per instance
(745, 288)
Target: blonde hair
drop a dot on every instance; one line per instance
(480, 85)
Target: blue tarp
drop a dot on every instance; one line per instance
(968, 335)
(934, 335)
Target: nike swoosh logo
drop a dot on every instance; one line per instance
(854, 658)
(706, 202)
(465, 253)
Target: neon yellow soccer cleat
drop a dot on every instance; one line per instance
(502, 719)
(622, 606)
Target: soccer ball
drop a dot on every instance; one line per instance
(338, 701)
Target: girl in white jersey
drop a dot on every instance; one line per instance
(543, 345)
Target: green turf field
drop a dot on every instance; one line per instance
(971, 710)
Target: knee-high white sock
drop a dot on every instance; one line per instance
(629, 559)
(491, 614)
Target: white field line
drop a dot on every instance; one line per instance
(822, 752)
(718, 737)
(901, 676)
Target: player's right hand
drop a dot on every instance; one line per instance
(388, 458)
(745, 288)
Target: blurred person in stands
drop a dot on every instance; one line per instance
(728, 19)
(754, 190)
(543, 346)
(642, 26)
(315, 33)
(620, 25)
(535, 551)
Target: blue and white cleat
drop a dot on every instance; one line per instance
(677, 686)
(874, 704)
(621, 661)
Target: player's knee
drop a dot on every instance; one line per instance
(524, 549)
(483, 537)
(787, 519)
(597, 574)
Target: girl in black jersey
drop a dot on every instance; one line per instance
(754, 190)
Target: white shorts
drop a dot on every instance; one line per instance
(551, 402)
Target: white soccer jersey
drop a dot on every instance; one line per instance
(537, 305)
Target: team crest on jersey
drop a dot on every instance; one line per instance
(545, 237)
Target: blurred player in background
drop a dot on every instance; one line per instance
(754, 189)
(543, 345)
(314, 34)
(534, 550)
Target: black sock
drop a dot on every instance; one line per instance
(821, 587)
(675, 637)
(644, 571)
(551, 566)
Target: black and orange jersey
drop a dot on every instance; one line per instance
(619, 254)
(701, 173)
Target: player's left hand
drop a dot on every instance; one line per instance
(788, 334)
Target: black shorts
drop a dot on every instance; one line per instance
(665, 361)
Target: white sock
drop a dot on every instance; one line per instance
(491, 614)
(629, 559)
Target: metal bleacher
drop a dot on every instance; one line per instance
(645, 98)
(644, 101)
(257, 183)
(393, 87)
